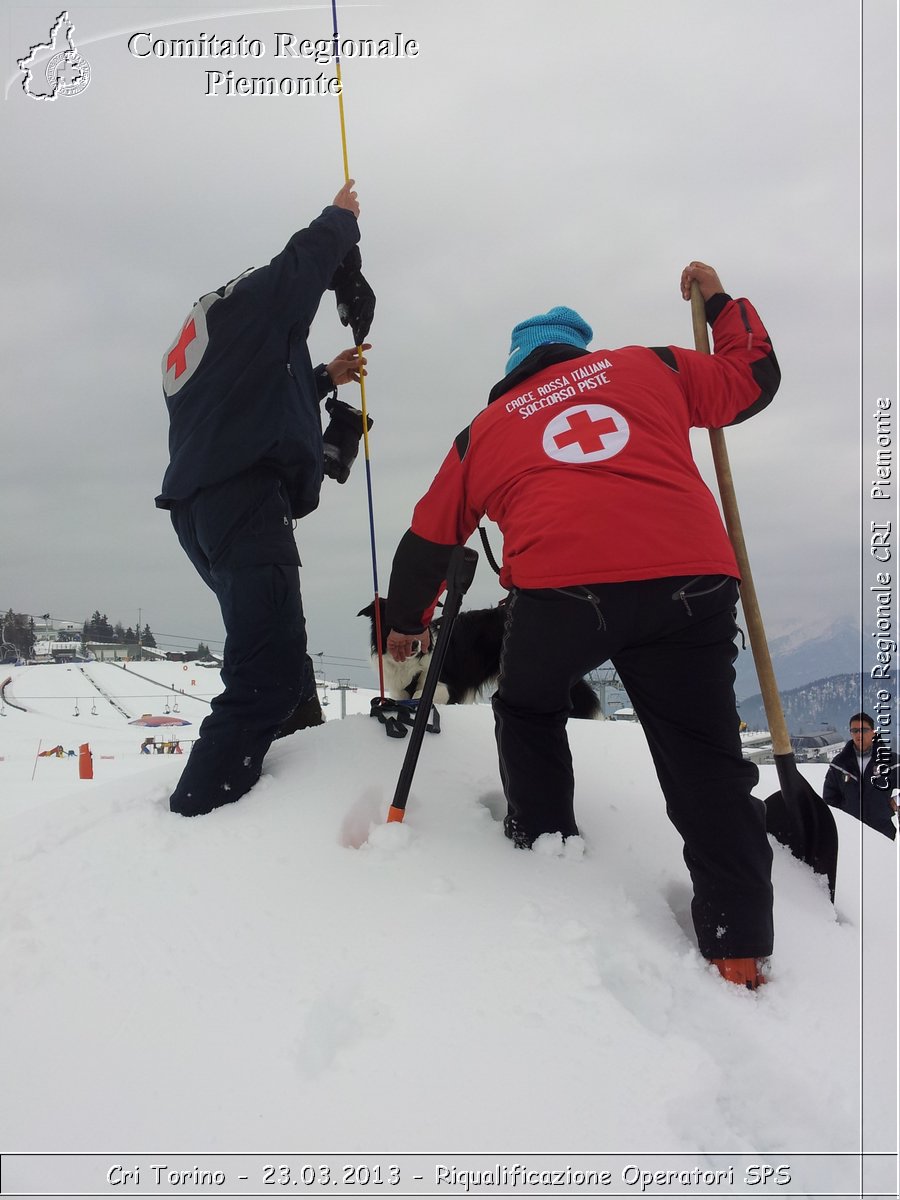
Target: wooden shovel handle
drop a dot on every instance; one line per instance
(781, 742)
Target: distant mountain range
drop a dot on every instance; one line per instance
(822, 677)
(816, 707)
(809, 650)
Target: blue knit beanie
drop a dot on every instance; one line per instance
(557, 325)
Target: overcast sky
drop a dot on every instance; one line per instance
(578, 152)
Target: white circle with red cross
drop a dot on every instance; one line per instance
(183, 357)
(586, 434)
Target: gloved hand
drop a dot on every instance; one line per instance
(342, 438)
(355, 299)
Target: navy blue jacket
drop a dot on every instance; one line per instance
(863, 798)
(238, 380)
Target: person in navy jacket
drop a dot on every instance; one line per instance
(614, 549)
(864, 776)
(247, 457)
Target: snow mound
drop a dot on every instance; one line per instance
(291, 967)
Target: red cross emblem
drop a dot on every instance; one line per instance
(586, 433)
(186, 353)
(177, 355)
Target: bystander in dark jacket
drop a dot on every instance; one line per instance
(864, 776)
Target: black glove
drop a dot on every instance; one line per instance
(342, 438)
(355, 299)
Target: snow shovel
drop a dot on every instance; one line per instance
(796, 815)
(460, 573)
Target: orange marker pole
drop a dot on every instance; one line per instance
(85, 762)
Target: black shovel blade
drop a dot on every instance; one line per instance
(798, 817)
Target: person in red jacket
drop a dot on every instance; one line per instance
(614, 549)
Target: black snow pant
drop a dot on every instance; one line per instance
(671, 642)
(239, 536)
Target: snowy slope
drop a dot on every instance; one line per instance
(291, 970)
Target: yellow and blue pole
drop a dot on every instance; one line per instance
(362, 378)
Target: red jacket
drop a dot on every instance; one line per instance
(584, 461)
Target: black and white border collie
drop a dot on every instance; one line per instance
(471, 666)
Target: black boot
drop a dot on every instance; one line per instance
(516, 834)
(305, 715)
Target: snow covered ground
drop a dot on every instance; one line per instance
(291, 974)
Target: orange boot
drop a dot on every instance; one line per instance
(742, 971)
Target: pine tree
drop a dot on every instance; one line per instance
(98, 628)
(90, 632)
(147, 638)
